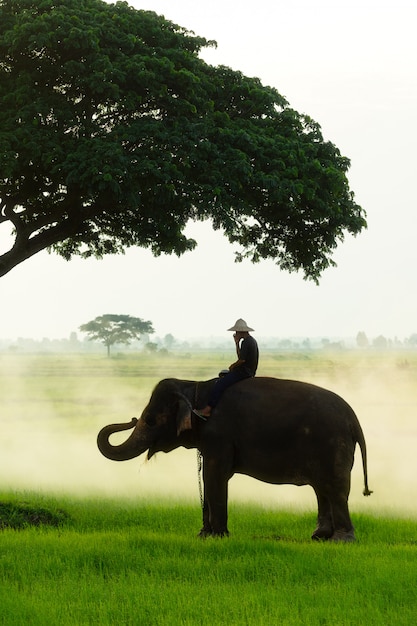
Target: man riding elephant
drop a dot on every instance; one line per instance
(278, 431)
(245, 367)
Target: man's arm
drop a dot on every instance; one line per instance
(237, 337)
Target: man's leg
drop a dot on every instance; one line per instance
(221, 385)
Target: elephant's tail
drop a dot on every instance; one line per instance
(360, 438)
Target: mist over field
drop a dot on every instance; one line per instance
(52, 408)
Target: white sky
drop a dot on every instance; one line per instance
(351, 65)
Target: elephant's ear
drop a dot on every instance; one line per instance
(183, 415)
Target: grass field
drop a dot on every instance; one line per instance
(115, 543)
(118, 562)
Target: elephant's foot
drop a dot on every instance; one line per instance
(343, 535)
(204, 533)
(322, 532)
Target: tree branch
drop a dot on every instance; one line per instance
(26, 246)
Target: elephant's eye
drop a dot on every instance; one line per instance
(156, 418)
(149, 420)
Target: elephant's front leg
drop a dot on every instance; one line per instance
(206, 529)
(216, 477)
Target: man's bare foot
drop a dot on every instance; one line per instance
(206, 412)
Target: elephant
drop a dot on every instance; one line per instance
(275, 430)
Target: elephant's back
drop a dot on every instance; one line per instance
(262, 386)
(289, 401)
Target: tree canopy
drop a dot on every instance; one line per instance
(114, 133)
(111, 329)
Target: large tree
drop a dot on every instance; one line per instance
(114, 133)
(112, 329)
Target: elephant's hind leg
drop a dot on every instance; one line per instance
(324, 528)
(343, 527)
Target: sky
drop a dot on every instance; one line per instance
(351, 66)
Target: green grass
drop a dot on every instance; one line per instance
(114, 562)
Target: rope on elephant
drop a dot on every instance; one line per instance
(199, 468)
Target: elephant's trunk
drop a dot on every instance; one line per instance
(131, 448)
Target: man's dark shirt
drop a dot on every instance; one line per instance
(250, 354)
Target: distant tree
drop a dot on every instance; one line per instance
(306, 344)
(285, 344)
(332, 346)
(412, 340)
(362, 340)
(169, 341)
(380, 342)
(114, 133)
(112, 329)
